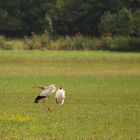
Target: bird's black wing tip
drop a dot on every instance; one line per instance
(36, 101)
(38, 98)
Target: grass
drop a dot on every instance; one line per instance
(102, 95)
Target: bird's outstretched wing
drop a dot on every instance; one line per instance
(45, 93)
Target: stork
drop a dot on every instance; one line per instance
(60, 96)
(45, 93)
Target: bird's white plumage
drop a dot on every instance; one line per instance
(60, 96)
(48, 90)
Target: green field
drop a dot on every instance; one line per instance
(102, 95)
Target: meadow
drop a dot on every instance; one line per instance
(102, 95)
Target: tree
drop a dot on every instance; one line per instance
(136, 22)
(124, 22)
(8, 22)
(83, 16)
(19, 17)
(118, 23)
(107, 23)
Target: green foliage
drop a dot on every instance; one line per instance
(48, 27)
(119, 43)
(136, 23)
(5, 45)
(36, 42)
(107, 24)
(23, 17)
(8, 23)
(134, 44)
(121, 23)
(68, 17)
(76, 42)
(79, 42)
(124, 22)
(82, 16)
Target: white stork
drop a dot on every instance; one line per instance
(60, 96)
(45, 93)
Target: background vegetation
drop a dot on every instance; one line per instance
(77, 42)
(61, 17)
(70, 25)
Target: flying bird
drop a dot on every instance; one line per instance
(45, 93)
(60, 96)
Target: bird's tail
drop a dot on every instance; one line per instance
(38, 98)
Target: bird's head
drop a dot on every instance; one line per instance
(53, 88)
(60, 87)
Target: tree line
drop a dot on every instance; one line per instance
(61, 17)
